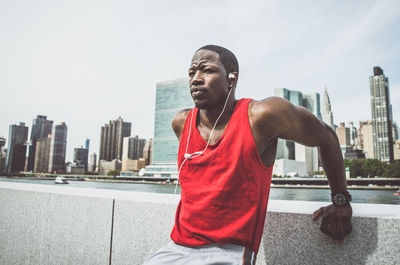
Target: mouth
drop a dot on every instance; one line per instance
(197, 92)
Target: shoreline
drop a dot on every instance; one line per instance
(288, 186)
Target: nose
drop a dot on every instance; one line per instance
(197, 78)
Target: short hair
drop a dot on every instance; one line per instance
(227, 57)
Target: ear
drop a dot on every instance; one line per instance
(232, 79)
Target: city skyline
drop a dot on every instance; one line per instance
(107, 64)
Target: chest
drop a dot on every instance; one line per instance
(206, 133)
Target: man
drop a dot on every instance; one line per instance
(226, 155)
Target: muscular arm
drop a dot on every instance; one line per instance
(277, 117)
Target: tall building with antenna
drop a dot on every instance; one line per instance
(327, 115)
(381, 111)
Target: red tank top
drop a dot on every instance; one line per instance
(224, 192)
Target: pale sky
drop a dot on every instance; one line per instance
(87, 62)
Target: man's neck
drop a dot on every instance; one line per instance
(208, 117)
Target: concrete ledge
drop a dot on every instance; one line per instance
(44, 224)
(50, 228)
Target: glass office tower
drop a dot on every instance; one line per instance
(171, 97)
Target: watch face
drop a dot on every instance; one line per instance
(339, 199)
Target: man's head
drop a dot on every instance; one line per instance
(227, 57)
(213, 73)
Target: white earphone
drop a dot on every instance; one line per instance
(231, 75)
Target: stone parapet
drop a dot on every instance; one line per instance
(45, 224)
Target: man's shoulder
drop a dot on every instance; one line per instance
(179, 121)
(268, 107)
(182, 115)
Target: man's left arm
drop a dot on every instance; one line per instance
(298, 124)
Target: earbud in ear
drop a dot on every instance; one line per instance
(231, 75)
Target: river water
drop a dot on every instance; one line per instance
(299, 194)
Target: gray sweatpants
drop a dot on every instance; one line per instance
(205, 255)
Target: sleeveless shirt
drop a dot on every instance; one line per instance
(224, 192)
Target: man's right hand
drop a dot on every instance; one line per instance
(336, 220)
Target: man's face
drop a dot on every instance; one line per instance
(208, 80)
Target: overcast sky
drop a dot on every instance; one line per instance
(87, 62)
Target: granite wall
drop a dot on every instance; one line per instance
(45, 224)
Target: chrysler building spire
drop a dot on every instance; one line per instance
(327, 115)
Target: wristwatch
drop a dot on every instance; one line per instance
(341, 198)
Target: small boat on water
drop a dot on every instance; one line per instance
(61, 180)
(397, 193)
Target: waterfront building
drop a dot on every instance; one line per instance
(58, 147)
(75, 169)
(365, 140)
(133, 147)
(3, 153)
(148, 151)
(133, 164)
(171, 97)
(290, 150)
(42, 155)
(381, 110)
(343, 134)
(16, 150)
(41, 128)
(107, 166)
(287, 167)
(353, 153)
(353, 133)
(92, 163)
(396, 150)
(111, 139)
(395, 130)
(308, 155)
(286, 149)
(2, 142)
(312, 102)
(327, 115)
(81, 157)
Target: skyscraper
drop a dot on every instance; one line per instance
(381, 110)
(286, 149)
(365, 139)
(312, 102)
(87, 143)
(148, 151)
(395, 130)
(42, 154)
(3, 154)
(343, 134)
(58, 147)
(92, 163)
(133, 147)
(111, 139)
(81, 157)
(294, 151)
(171, 97)
(327, 115)
(41, 128)
(353, 133)
(2, 142)
(15, 159)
